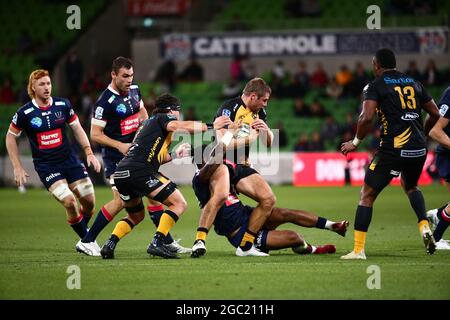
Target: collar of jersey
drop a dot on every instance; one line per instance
(113, 91)
(42, 108)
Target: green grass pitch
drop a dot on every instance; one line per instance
(37, 247)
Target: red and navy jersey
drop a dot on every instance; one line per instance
(237, 111)
(444, 110)
(46, 129)
(400, 101)
(119, 117)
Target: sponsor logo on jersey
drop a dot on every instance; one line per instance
(400, 80)
(130, 124)
(111, 98)
(59, 117)
(14, 119)
(28, 110)
(46, 113)
(443, 110)
(171, 116)
(121, 109)
(409, 116)
(49, 139)
(60, 103)
(36, 122)
(98, 113)
(226, 113)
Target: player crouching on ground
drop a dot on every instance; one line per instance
(137, 174)
(232, 218)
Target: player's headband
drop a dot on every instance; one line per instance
(170, 107)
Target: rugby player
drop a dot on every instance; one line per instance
(117, 115)
(398, 100)
(233, 217)
(247, 110)
(44, 121)
(137, 175)
(440, 218)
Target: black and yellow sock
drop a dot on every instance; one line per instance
(122, 228)
(362, 222)
(247, 240)
(418, 204)
(168, 220)
(201, 234)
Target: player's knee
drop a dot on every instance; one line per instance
(136, 218)
(294, 238)
(179, 206)
(268, 202)
(219, 197)
(70, 203)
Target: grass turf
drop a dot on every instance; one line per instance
(37, 247)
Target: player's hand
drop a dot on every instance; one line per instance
(184, 150)
(123, 148)
(347, 147)
(259, 124)
(221, 122)
(92, 160)
(20, 176)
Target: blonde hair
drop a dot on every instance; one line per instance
(258, 86)
(35, 75)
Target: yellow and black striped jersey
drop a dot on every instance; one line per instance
(399, 107)
(151, 144)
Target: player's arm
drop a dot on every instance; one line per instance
(197, 126)
(20, 175)
(143, 115)
(433, 115)
(98, 136)
(83, 141)
(438, 134)
(364, 126)
(264, 130)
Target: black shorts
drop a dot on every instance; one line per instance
(384, 168)
(239, 171)
(136, 184)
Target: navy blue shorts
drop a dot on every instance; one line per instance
(261, 238)
(71, 169)
(443, 165)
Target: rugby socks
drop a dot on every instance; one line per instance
(101, 221)
(79, 225)
(201, 234)
(418, 204)
(444, 221)
(323, 223)
(362, 222)
(155, 213)
(247, 240)
(168, 220)
(87, 215)
(123, 227)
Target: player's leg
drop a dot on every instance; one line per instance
(62, 193)
(104, 215)
(303, 218)
(379, 174)
(84, 191)
(135, 214)
(255, 187)
(281, 239)
(172, 198)
(215, 176)
(410, 176)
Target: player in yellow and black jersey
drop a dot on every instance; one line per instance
(137, 174)
(398, 100)
(247, 110)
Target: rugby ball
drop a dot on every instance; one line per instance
(244, 131)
